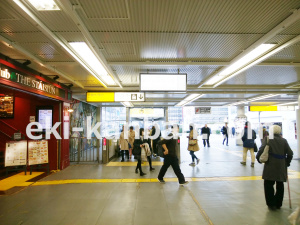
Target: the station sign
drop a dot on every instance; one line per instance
(115, 97)
(202, 110)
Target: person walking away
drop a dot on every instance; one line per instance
(170, 159)
(155, 141)
(265, 133)
(138, 144)
(131, 140)
(248, 144)
(225, 133)
(124, 145)
(193, 146)
(275, 169)
(205, 131)
(233, 131)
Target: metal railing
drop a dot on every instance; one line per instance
(84, 150)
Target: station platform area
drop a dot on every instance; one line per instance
(220, 191)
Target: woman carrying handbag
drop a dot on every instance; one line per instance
(193, 145)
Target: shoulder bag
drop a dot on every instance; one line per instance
(265, 155)
(192, 142)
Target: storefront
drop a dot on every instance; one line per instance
(25, 97)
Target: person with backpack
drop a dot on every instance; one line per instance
(170, 159)
(248, 144)
(275, 169)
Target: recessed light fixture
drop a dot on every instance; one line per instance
(252, 99)
(86, 54)
(44, 5)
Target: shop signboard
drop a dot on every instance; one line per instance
(37, 152)
(22, 79)
(15, 153)
(115, 97)
(202, 110)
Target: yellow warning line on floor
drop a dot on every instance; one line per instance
(17, 180)
(133, 164)
(292, 175)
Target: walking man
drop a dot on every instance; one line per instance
(205, 131)
(170, 159)
(225, 133)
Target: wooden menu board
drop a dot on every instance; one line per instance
(16, 153)
(37, 152)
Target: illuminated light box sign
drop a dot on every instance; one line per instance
(37, 152)
(271, 108)
(115, 97)
(202, 110)
(163, 82)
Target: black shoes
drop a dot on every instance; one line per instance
(151, 169)
(142, 174)
(136, 170)
(186, 182)
(161, 181)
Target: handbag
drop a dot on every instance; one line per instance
(192, 142)
(255, 147)
(265, 155)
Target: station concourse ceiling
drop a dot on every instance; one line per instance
(196, 37)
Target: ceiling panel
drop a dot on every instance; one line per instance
(294, 29)
(172, 46)
(264, 75)
(289, 54)
(231, 16)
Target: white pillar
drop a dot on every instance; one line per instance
(166, 114)
(99, 142)
(127, 115)
(298, 125)
(240, 120)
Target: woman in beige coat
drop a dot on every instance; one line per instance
(193, 147)
(124, 145)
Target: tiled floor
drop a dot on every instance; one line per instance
(224, 197)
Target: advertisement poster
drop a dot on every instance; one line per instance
(37, 152)
(45, 118)
(6, 106)
(16, 153)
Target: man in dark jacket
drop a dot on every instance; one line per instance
(248, 144)
(170, 159)
(224, 131)
(155, 140)
(205, 131)
(275, 169)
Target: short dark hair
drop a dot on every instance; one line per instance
(131, 127)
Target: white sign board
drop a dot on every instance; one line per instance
(163, 82)
(202, 110)
(37, 152)
(129, 97)
(16, 153)
(45, 118)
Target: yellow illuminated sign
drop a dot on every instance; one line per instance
(100, 96)
(263, 108)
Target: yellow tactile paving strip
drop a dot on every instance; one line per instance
(17, 180)
(133, 164)
(292, 175)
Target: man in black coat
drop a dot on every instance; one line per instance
(225, 133)
(206, 131)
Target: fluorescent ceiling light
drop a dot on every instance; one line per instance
(86, 54)
(43, 5)
(189, 99)
(252, 99)
(219, 78)
(289, 103)
(127, 104)
(258, 51)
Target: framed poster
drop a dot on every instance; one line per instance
(6, 106)
(37, 152)
(15, 153)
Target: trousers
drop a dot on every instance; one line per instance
(272, 198)
(245, 150)
(171, 161)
